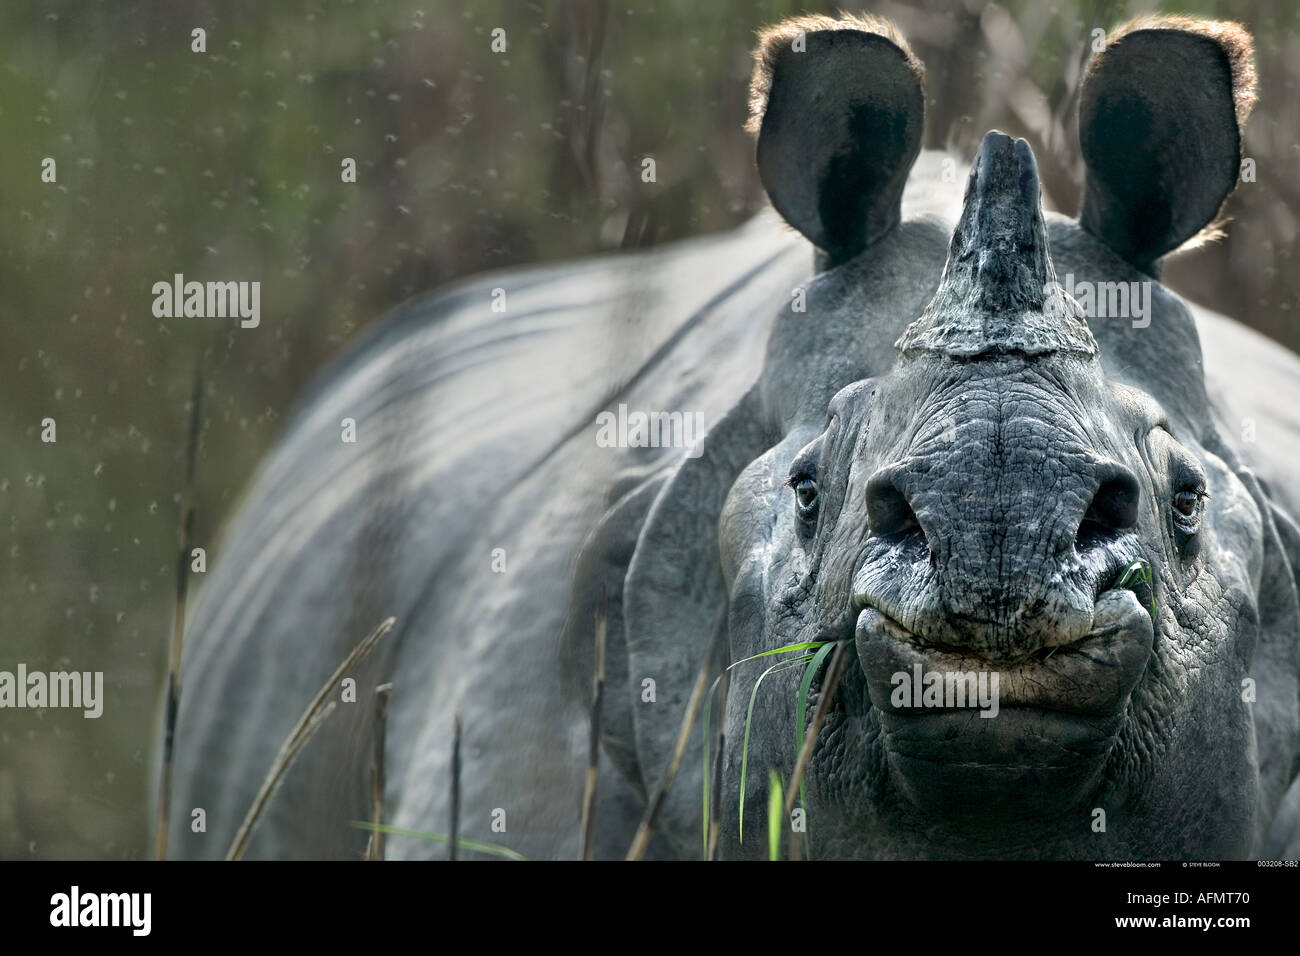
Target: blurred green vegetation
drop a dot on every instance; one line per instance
(225, 165)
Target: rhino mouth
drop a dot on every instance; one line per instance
(1033, 743)
(1091, 677)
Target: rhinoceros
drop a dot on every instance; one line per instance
(886, 415)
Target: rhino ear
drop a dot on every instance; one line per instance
(1161, 113)
(839, 106)
(674, 601)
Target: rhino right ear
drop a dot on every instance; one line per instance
(839, 107)
(1161, 112)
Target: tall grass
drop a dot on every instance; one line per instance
(749, 718)
(773, 815)
(184, 543)
(474, 846)
(317, 711)
(813, 662)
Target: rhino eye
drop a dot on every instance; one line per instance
(805, 495)
(1187, 509)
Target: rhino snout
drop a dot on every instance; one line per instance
(1003, 575)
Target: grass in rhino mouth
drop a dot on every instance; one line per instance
(810, 653)
(1138, 578)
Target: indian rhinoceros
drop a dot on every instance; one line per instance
(921, 439)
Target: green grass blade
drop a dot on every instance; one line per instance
(1132, 572)
(801, 708)
(477, 846)
(744, 750)
(774, 801)
(788, 649)
(1139, 570)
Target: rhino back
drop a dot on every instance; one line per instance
(474, 432)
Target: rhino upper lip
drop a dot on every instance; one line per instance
(1092, 676)
(892, 627)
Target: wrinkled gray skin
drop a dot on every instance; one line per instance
(972, 468)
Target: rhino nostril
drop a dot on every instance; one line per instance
(888, 511)
(1114, 505)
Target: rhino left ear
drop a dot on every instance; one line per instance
(839, 107)
(1161, 114)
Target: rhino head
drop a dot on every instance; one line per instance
(946, 468)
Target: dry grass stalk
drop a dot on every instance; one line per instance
(375, 848)
(184, 543)
(307, 725)
(833, 673)
(454, 832)
(643, 832)
(593, 744)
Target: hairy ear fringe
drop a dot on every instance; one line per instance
(772, 39)
(1232, 38)
(1239, 47)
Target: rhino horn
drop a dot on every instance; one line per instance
(999, 293)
